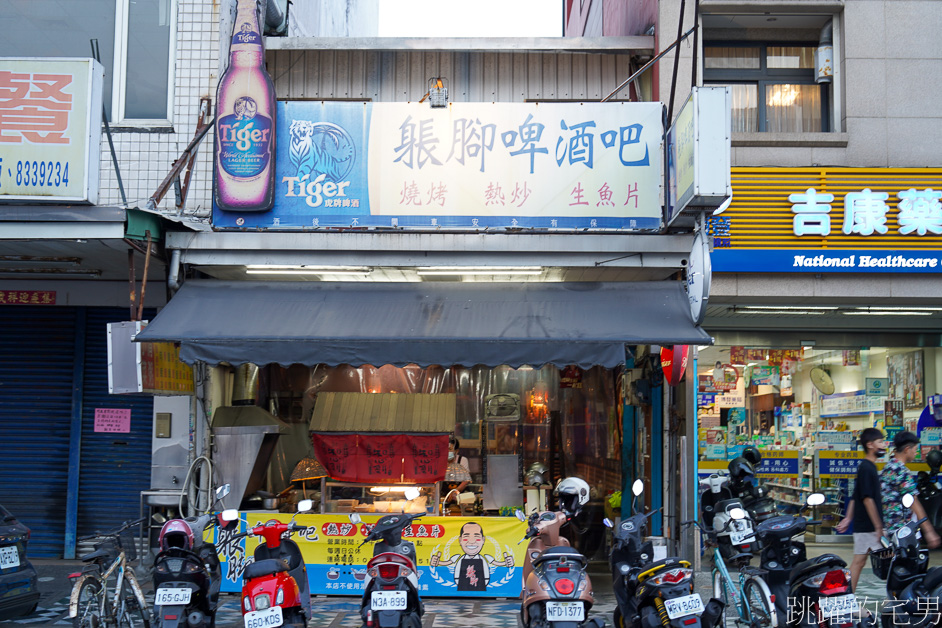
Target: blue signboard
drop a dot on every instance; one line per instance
(814, 261)
(469, 166)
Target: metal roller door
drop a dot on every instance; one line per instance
(115, 467)
(36, 366)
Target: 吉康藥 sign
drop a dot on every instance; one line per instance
(472, 165)
(50, 129)
(830, 220)
(778, 464)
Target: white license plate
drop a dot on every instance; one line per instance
(839, 606)
(268, 618)
(9, 557)
(565, 611)
(172, 597)
(388, 601)
(738, 538)
(682, 606)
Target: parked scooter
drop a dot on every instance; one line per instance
(557, 590)
(187, 574)
(930, 490)
(783, 548)
(734, 536)
(649, 593)
(391, 595)
(275, 589)
(910, 585)
(742, 481)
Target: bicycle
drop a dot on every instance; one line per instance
(750, 597)
(89, 603)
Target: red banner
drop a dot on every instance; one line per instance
(383, 458)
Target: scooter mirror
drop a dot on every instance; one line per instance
(222, 491)
(608, 523)
(908, 500)
(637, 488)
(519, 515)
(230, 515)
(355, 518)
(737, 513)
(815, 499)
(304, 505)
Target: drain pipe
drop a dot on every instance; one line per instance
(173, 275)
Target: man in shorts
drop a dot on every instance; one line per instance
(866, 507)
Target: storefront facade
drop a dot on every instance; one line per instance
(826, 314)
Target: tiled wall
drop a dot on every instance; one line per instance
(145, 157)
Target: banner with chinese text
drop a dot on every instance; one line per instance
(473, 556)
(383, 458)
(470, 165)
(51, 129)
(830, 220)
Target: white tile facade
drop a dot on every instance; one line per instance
(145, 158)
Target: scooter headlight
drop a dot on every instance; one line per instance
(262, 601)
(280, 597)
(247, 604)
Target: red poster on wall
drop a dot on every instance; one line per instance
(383, 458)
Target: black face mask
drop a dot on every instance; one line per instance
(881, 452)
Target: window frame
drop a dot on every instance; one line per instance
(120, 69)
(764, 76)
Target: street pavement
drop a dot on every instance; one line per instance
(337, 611)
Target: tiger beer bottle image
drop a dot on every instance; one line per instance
(245, 122)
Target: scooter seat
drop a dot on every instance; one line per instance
(814, 565)
(933, 578)
(557, 553)
(265, 568)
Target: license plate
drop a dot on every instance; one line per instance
(172, 597)
(9, 557)
(839, 606)
(682, 606)
(388, 601)
(268, 618)
(565, 611)
(738, 538)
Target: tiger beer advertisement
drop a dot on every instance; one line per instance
(457, 556)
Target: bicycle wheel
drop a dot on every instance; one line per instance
(759, 601)
(88, 613)
(132, 613)
(720, 592)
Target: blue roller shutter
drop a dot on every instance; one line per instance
(115, 467)
(36, 350)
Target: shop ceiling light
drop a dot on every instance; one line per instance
(888, 308)
(309, 267)
(309, 270)
(52, 272)
(783, 312)
(479, 270)
(785, 307)
(887, 313)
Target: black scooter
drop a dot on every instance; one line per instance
(910, 584)
(781, 540)
(391, 596)
(186, 581)
(930, 490)
(653, 593)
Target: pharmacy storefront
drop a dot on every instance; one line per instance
(826, 322)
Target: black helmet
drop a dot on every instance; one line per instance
(934, 459)
(741, 470)
(752, 454)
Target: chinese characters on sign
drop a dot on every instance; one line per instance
(472, 165)
(162, 371)
(383, 457)
(778, 464)
(920, 211)
(27, 297)
(49, 137)
(113, 420)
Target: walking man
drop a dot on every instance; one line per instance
(896, 480)
(866, 506)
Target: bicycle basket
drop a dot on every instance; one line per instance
(880, 560)
(128, 542)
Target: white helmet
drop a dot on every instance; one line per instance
(573, 494)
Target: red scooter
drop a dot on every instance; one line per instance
(275, 589)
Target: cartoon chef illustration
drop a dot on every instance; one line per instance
(472, 570)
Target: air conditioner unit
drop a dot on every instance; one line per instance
(502, 407)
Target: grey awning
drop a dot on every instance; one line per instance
(422, 323)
